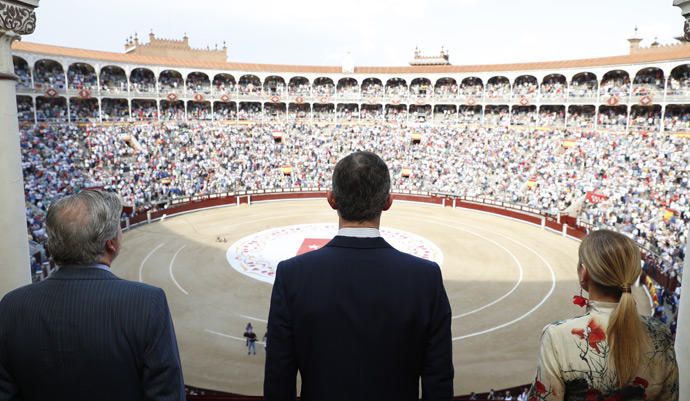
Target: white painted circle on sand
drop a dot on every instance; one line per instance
(258, 255)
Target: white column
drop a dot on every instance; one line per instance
(14, 247)
(683, 334)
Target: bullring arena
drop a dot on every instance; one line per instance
(526, 279)
(497, 171)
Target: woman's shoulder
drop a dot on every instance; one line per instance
(661, 339)
(567, 325)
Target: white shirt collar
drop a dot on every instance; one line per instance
(359, 232)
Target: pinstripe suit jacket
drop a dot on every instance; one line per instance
(85, 334)
(360, 321)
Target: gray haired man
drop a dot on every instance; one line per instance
(84, 334)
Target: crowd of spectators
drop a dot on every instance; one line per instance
(225, 111)
(51, 109)
(299, 88)
(581, 118)
(584, 86)
(274, 86)
(616, 85)
(650, 83)
(497, 115)
(554, 87)
(81, 77)
(526, 86)
(347, 112)
(396, 89)
(472, 87)
(498, 88)
(552, 117)
(324, 112)
(83, 110)
(21, 70)
(677, 119)
(396, 114)
(372, 88)
(646, 119)
(142, 81)
(642, 176)
(170, 82)
(25, 108)
(444, 114)
(679, 83)
(301, 112)
(199, 111)
(115, 110)
(49, 75)
(613, 118)
(325, 88)
(249, 86)
(198, 83)
(446, 89)
(144, 110)
(470, 115)
(421, 88)
(274, 112)
(249, 111)
(113, 80)
(172, 110)
(524, 115)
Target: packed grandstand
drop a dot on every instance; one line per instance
(605, 141)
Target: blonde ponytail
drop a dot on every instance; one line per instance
(613, 262)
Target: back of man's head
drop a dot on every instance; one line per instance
(361, 186)
(79, 226)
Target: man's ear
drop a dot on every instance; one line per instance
(389, 202)
(331, 200)
(111, 246)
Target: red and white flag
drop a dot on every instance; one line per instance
(311, 244)
(593, 197)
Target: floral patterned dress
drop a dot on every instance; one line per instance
(573, 362)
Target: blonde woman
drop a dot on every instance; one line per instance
(610, 353)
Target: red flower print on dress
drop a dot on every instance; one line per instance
(592, 395)
(640, 382)
(541, 389)
(594, 334)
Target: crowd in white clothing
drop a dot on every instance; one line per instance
(643, 177)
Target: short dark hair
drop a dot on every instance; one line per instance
(361, 186)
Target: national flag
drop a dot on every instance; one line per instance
(311, 244)
(593, 197)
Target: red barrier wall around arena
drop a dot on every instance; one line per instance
(202, 202)
(530, 218)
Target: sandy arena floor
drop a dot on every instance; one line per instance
(505, 280)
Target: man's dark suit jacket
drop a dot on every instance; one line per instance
(84, 334)
(360, 321)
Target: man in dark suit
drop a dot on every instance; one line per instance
(84, 334)
(358, 319)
